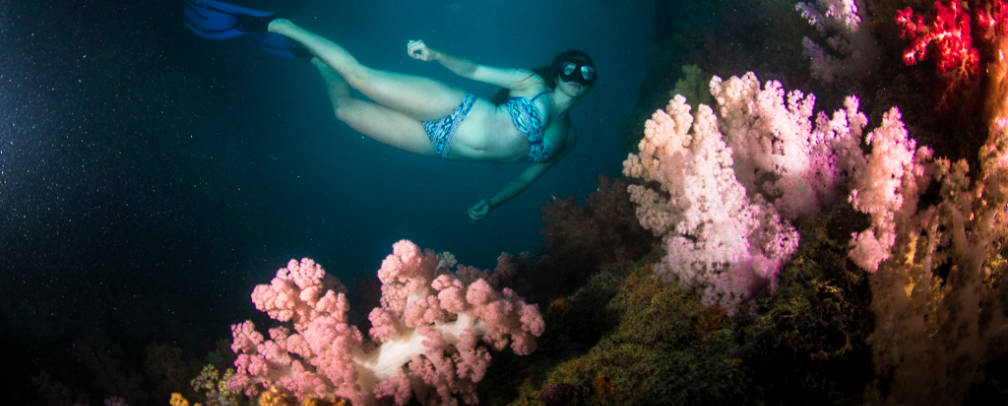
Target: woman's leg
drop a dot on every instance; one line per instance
(380, 123)
(420, 98)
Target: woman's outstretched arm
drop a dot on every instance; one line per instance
(510, 78)
(521, 182)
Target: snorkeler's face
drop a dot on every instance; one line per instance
(576, 71)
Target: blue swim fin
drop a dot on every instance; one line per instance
(213, 19)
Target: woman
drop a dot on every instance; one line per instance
(427, 117)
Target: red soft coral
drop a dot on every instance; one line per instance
(949, 30)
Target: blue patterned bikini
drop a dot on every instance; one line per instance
(528, 120)
(524, 114)
(442, 130)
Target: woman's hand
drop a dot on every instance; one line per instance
(479, 210)
(417, 49)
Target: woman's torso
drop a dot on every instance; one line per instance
(489, 132)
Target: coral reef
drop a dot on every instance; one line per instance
(665, 347)
(584, 238)
(896, 294)
(940, 301)
(817, 323)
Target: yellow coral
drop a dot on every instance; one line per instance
(206, 380)
(222, 384)
(279, 397)
(276, 397)
(178, 400)
(213, 386)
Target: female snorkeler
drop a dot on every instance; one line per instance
(422, 115)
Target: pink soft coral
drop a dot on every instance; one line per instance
(729, 183)
(887, 188)
(781, 148)
(716, 237)
(427, 334)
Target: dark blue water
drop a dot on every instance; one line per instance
(149, 178)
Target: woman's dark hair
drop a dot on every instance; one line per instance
(549, 73)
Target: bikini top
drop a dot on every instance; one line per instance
(528, 120)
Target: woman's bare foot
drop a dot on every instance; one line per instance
(279, 25)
